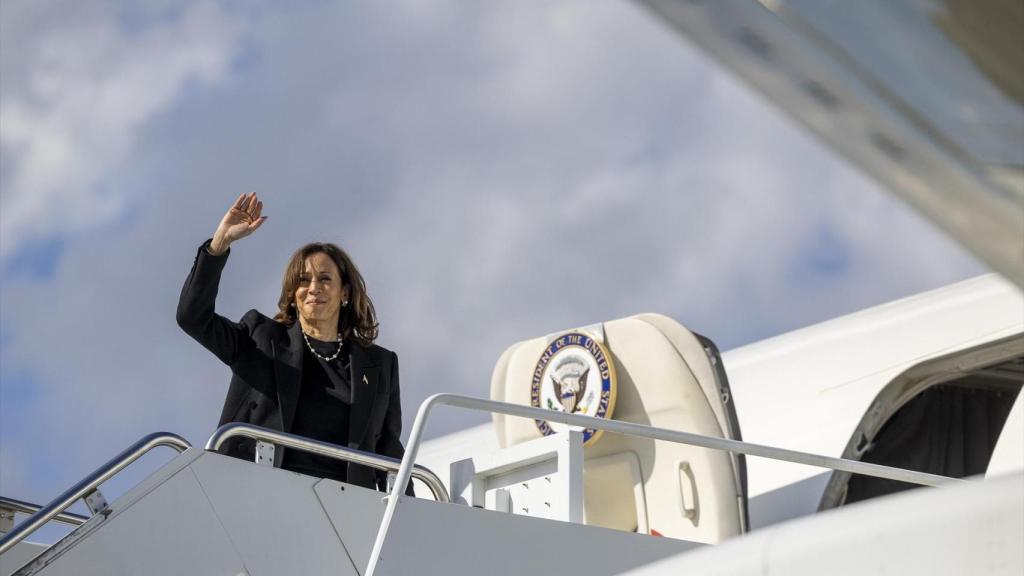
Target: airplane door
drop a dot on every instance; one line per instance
(646, 369)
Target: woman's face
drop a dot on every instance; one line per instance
(320, 292)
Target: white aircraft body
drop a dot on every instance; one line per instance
(792, 455)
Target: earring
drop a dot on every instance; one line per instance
(345, 303)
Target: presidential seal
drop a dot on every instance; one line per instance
(575, 375)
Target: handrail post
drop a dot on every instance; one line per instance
(404, 473)
(378, 461)
(88, 484)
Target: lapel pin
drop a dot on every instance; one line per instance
(365, 381)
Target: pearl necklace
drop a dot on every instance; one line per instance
(327, 358)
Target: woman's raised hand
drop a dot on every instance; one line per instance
(242, 219)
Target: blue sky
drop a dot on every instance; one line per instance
(498, 171)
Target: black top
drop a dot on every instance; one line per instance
(322, 412)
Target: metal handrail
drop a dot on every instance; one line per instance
(29, 508)
(88, 484)
(627, 428)
(370, 459)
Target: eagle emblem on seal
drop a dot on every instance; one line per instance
(569, 380)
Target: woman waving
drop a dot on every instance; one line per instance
(311, 370)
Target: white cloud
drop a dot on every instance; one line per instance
(75, 116)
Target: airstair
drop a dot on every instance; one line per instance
(206, 513)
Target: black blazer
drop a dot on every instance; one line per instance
(265, 357)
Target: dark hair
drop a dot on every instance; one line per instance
(358, 320)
